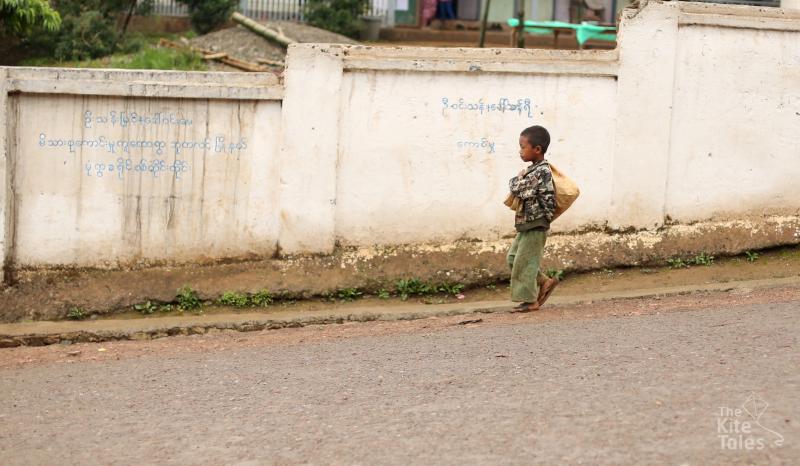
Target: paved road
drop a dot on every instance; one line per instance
(658, 388)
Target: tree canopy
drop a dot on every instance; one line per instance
(20, 17)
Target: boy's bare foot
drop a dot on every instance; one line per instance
(546, 289)
(526, 307)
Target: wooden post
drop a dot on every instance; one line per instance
(269, 34)
(483, 23)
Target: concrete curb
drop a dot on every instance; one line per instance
(47, 333)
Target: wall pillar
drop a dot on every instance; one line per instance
(6, 208)
(790, 4)
(310, 148)
(647, 47)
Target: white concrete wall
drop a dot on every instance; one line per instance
(104, 180)
(694, 117)
(735, 143)
(790, 4)
(419, 160)
(198, 189)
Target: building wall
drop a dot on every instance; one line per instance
(108, 180)
(426, 157)
(124, 179)
(735, 144)
(692, 119)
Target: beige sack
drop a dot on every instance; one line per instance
(513, 202)
(566, 193)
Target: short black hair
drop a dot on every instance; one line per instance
(537, 136)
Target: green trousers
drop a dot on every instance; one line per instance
(523, 260)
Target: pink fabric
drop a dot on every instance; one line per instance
(428, 11)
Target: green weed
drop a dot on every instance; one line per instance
(262, 299)
(703, 259)
(411, 287)
(77, 313)
(677, 263)
(700, 259)
(406, 288)
(233, 298)
(146, 308)
(188, 299)
(558, 274)
(147, 58)
(751, 256)
(349, 294)
(383, 294)
(158, 58)
(450, 288)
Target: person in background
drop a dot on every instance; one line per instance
(446, 10)
(428, 12)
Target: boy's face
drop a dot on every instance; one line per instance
(527, 152)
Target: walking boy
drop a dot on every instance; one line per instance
(534, 187)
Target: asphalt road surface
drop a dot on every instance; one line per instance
(710, 380)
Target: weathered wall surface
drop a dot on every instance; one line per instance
(682, 123)
(104, 169)
(125, 179)
(393, 162)
(735, 142)
(426, 157)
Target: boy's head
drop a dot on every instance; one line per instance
(533, 143)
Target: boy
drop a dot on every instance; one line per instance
(534, 187)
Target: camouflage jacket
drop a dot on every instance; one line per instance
(536, 190)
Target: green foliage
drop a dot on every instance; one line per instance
(703, 259)
(349, 294)
(558, 274)
(383, 294)
(188, 299)
(89, 28)
(161, 59)
(149, 58)
(232, 298)
(677, 263)
(700, 259)
(411, 287)
(416, 287)
(751, 256)
(20, 17)
(262, 299)
(76, 313)
(340, 16)
(88, 35)
(450, 288)
(146, 308)
(206, 15)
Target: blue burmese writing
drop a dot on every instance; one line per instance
(521, 106)
(142, 167)
(483, 143)
(112, 146)
(131, 119)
